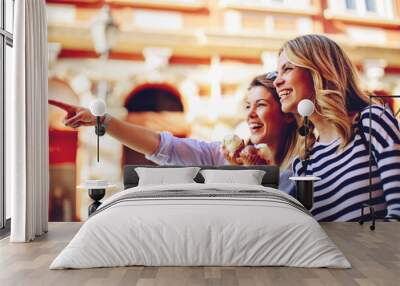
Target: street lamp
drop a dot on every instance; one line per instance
(104, 32)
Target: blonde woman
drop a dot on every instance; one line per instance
(267, 124)
(315, 67)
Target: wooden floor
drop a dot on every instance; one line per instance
(374, 255)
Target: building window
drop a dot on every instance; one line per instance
(370, 6)
(304, 25)
(268, 3)
(232, 21)
(351, 4)
(6, 44)
(364, 8)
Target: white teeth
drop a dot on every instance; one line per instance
(284, 93)
(255, 125)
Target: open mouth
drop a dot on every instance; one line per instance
(284, 94)
(255, 127)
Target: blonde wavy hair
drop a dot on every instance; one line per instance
(286, 152)
(338, 94)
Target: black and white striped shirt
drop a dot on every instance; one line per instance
(344, 183)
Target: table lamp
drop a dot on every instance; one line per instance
(305, 184)
(98, 109)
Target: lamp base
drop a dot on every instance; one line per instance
(305, 193)
(372, 212)
(96, 195)
(305, 190)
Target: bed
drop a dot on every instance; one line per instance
(198, 224)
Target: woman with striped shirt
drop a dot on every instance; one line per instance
(316, 68)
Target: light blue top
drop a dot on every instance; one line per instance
(188, 151)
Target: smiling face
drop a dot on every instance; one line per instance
(264, 116)
(293, 84)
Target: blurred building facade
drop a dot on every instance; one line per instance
(184, 66)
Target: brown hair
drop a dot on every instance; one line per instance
(286, 153)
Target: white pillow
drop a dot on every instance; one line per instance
(248, 177)
(163, 176)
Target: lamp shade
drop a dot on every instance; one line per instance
(305, 107)
(98, 107)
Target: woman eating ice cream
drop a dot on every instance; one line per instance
(268, 125)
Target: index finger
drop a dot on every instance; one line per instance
(65, 106)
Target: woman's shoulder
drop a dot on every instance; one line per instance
(383, 111)
(384, 125)
(374, 109)
(378, 115)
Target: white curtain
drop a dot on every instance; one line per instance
(27, 123)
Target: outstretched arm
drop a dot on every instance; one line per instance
(136, 137)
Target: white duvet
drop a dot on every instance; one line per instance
(182, 231)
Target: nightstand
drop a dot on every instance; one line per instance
(305, 190)
(96, 191)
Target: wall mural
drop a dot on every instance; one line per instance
(176, 95)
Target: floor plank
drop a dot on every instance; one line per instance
(374, 255)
